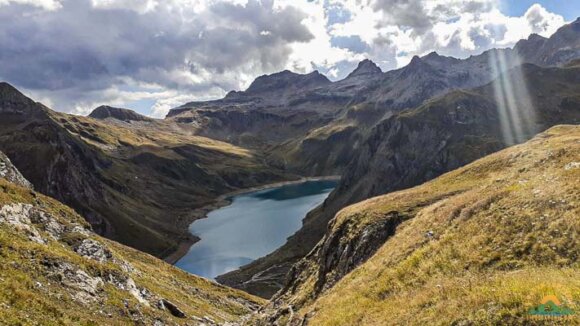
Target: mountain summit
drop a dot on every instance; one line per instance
(9, 94)
(285, 79)
(364, 68)
(104, 112)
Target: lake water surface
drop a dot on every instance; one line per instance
(255, 224)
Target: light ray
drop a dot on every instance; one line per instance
(513, 101)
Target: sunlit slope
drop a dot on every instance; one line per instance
(55, 271)
(479, 245)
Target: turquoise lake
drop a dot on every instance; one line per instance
(252, 226)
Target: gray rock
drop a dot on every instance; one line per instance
(139, 294)
(572, 165)
(9, 172)
(172, 308)
(85, 287)
(18, 216)
(94, 250)
(48, 223)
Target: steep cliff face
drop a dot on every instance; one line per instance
(464, 248)
(135, 181)
(56, 270)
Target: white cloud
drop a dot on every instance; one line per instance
(82, 53)
(45, 4)
(141, 6)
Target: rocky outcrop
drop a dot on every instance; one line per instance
(338, 253)
(92, 249)
(10, 173)
(175, 311)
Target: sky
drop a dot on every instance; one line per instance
(153, 55)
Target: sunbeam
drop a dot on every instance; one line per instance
(514, 104)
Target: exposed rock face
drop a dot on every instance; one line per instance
(175, 311)
(338, 253)
(93, 250)
(104, 112)
(18, 216)
(10, 173)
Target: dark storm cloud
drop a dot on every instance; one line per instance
(82, 48)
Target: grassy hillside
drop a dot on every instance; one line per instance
(479, 245)
(136, 182)
(55, 271)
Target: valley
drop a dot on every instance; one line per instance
(251, 225)
(445, 191)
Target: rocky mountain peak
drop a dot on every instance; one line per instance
(284, 79)
(104, 112)
(416, 60)
(536, 37)
(13, 102)
(416, 66)
(11, 94)
(365, 67)
(436, 58)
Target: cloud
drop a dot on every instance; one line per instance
(153, 54)
(44, 4)
(541, 21)
(86, 47)
(396, 30)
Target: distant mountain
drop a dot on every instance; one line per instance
(559, 49)
(365, 68)
(104, 112)
(299, 122)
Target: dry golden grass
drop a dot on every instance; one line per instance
(506, 233)
(29, 297)
(155, 135)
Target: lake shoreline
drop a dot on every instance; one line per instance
(222, 201)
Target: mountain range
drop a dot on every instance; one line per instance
(397, 220)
